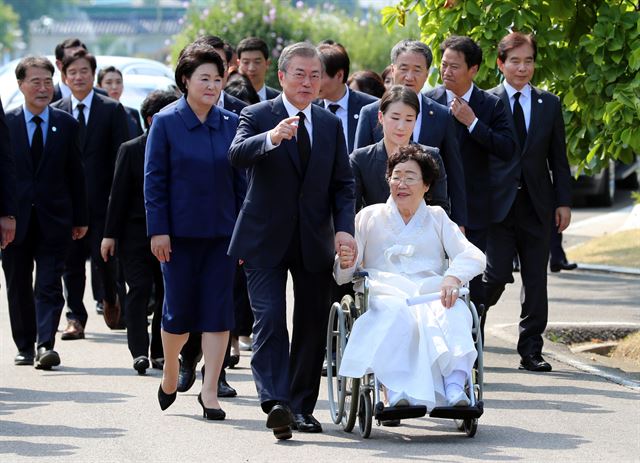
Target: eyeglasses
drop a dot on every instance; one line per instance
(409, 181)
(301, 76)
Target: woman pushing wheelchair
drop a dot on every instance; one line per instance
(423, 354)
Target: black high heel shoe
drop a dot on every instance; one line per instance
(211, 413)
(165, 399)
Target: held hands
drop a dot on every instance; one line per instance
(346, 248)
(449, 290)
(462, 111)
(107, 248)
(7, 230)
(562, 218)
(161, 247)
(285, 130)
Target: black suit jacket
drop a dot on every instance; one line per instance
(271, 92)
(133, 122)
(55, 189)
(369, 166)
(437, 130)
(57, 93)
(7, 171)
(106, 131)
(544, 151)
(233, 104)
(281, 199)
(490, 139)
(126, 217)
(354, 104)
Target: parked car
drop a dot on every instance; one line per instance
(141, 76)
(600, 189)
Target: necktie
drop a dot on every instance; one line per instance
(334, 107)
(83, 123)
(37, 142)
(518, 120)
(304, 143)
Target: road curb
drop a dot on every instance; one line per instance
(608, 269)
(562, 354)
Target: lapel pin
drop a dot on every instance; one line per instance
(54, 129)
(355, 116)
(430, 113)
(540, 100)
(226, 118)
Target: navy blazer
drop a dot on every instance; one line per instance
(544, 150)
(233, 104)
(271, 92)
(56, 188)
(437, 130)
(8, 205)
(369, 166)
(490, 139)
(190, 189)
(281, 199)
(106, 131)
(133, 122)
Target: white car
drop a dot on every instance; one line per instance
(141, 76)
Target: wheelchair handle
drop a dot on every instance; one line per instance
(422, 298)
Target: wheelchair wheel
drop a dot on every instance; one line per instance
(336, 340)
(352, 393)
(470, 426)
(365, 413)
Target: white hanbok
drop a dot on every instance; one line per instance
(410, 348)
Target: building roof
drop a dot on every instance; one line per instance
(79, 27)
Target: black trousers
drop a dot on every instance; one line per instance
(477, 237)
(34, 313)
(241, 304)
(75, 273)
(142, 274)
(282, 372)
(524, 233)
(555, 247)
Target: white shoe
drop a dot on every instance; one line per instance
(457, 397)
(401, 403)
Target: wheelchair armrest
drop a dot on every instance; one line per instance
(359, 274)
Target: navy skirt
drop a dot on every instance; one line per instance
(198, 286)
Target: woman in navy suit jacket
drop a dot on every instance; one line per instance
(399, 109)
(192, 197)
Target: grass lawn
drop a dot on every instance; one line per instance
(619, 249)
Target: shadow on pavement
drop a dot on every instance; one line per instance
(23, 448)
(34, 398)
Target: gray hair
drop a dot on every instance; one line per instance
(302, 49)
(412, 46)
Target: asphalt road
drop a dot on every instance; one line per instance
(95, 408)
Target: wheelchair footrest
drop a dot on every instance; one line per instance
(399, 413)
(458, 413)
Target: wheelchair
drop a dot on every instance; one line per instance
(352, 399)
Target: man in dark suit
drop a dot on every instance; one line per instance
(253, 62)
(298, 210)
(67, 48)
(525, 198)
(52, 211)
(103, 128)
(410, 63)
(481, 125)
(7, 186)
(336, 96)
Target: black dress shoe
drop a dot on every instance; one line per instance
(233, 360)
(213, 414)
(304, 422)
(555, 267)
(23, 358)
(165, 400)
(534, 362)
(186, 376)
(279, 420)
(140, 364)
(224, 390)
(47, 358)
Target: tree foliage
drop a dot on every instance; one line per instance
(279, 24)
(588, 54)
(8, 27)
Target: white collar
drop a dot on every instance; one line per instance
(293, 111)
(86, 102)
(526, 90)
(220, 103)
(466, 97)
(342, 102)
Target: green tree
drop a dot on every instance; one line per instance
(588, 54)
(279, 24)
(8, 27)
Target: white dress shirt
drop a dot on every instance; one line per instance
(87, 106)
(525, 100)
(342, 112)
(262, 93)
(293, 111)
(466, 97)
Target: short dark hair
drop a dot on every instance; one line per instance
(80, 54)
(253, 44)
(515, 40)
(414, 152)
(334, 57)
(368, 82)
(104, 71)
(68, 43)
(33, 62)
(192, 57)
(155, 101)
(465, 45)
(228, 52)
(386, 72)
(242, 89)
(402, 94)
(412, 46)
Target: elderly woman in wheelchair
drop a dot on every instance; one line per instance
(423, 354)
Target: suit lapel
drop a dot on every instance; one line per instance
(94, 116)
(279, 112)
(352, 119)
(52, 134)
(316, 145)
(537, 109)
(23, 140)
(504, 96)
